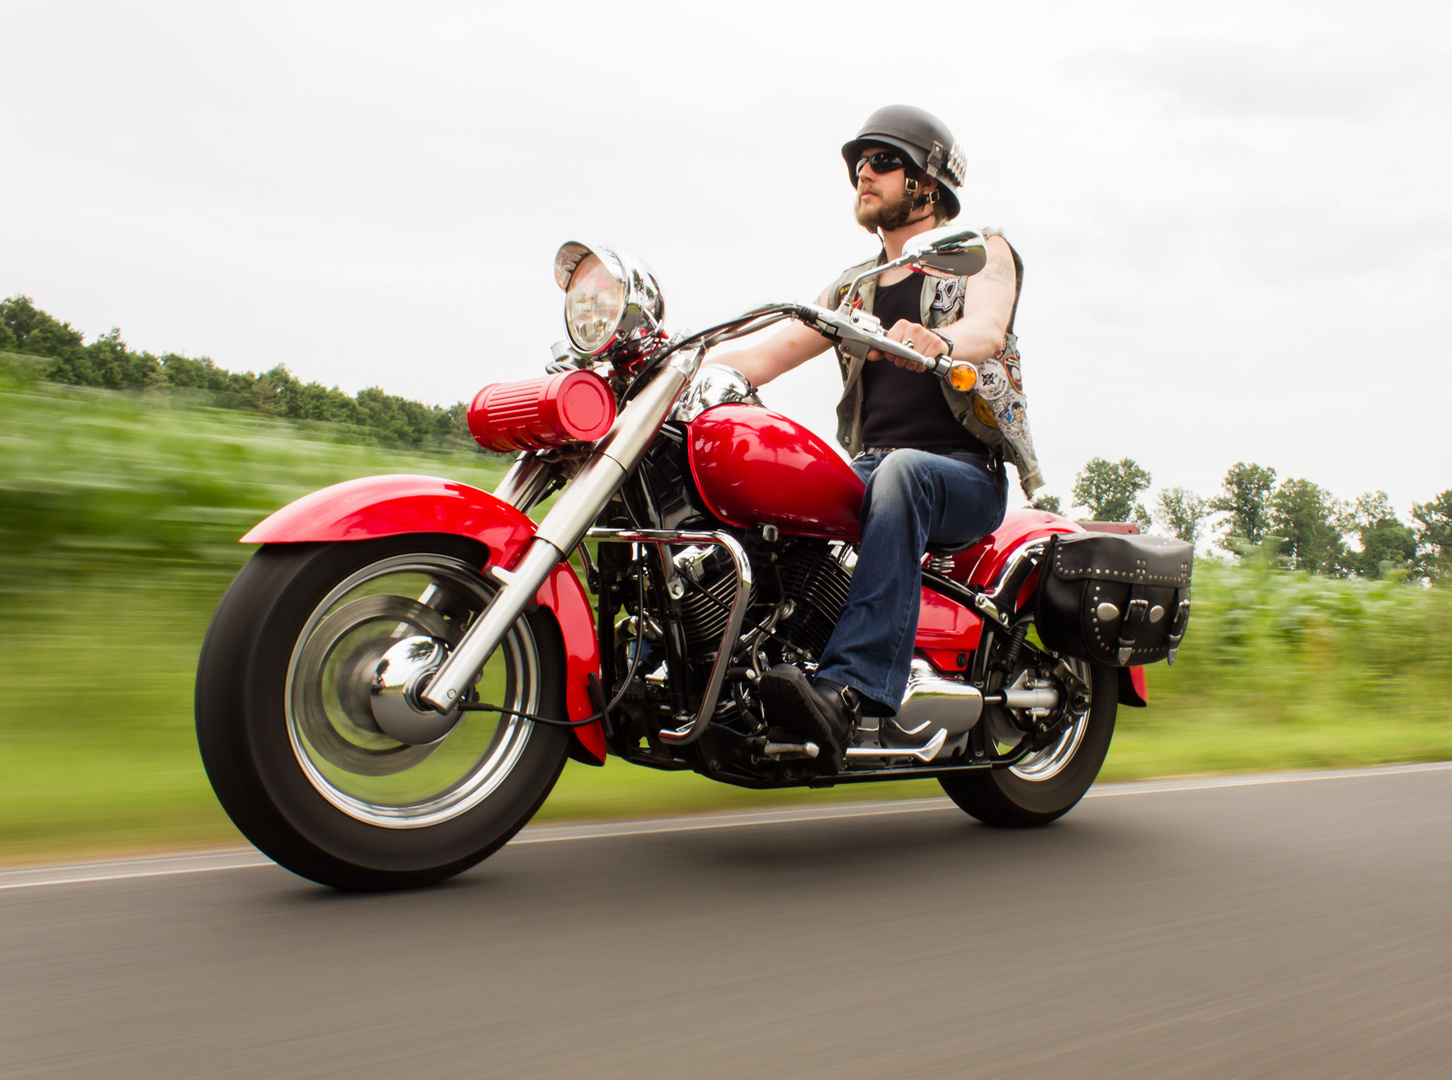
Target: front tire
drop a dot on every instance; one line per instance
(1047, 784)
(287, 735)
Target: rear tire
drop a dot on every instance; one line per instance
(286, 732)
(1046, 785)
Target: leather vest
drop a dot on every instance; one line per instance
(995, 411)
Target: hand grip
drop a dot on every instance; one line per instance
(843, 328)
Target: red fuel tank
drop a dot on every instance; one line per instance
(757, 467)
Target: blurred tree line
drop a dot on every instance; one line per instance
(1292, 523)
(107, 363)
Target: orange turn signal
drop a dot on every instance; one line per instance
(963, 377)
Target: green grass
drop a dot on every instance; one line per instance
(100, 753)
(118, 521)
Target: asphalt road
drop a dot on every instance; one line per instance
(1286, 927)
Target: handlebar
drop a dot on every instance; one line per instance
(857, 333)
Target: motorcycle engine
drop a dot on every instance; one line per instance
(814, 579)
(704, 609)
(805, 582)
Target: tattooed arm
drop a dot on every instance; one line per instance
(987, 306)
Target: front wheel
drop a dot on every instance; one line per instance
(289, 738)
(1048, 783)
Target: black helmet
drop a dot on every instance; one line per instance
(923, 138)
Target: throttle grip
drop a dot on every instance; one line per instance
(843, 328)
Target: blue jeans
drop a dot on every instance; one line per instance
(913, 498)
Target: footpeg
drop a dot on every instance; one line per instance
(787, 751)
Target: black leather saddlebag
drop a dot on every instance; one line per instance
(1114, 599)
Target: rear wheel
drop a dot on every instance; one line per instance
(1048, 783)
(286, 724)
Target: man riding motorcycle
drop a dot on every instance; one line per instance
(931, 456)
(392, 684)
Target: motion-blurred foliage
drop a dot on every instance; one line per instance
(58, 353)
(91, 480)
(118, 524)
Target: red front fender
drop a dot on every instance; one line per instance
(393, 505)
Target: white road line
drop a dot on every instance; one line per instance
(1191, 783)
(164, 866)
(131, 868)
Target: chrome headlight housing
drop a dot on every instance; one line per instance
(611, 298)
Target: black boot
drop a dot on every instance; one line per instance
(819, 709)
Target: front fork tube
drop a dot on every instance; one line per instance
(563, 527)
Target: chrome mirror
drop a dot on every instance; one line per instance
(947, 252)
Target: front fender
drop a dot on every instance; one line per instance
(377, 506)
(393, 505)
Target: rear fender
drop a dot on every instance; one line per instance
(987, 557)
(1133, 687)
(948, 632)
(378, 506)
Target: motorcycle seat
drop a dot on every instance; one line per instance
(939, 551)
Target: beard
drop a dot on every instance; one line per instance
(887, 215)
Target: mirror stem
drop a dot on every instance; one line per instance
(857, 282)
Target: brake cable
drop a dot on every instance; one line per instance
(602, 716)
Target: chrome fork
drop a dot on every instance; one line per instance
(562, 529)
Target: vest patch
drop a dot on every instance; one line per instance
(992, 382)
(1015, 379)
(948, 290)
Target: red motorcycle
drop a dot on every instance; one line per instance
(393, 683)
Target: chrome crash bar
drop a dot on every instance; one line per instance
(690, 729)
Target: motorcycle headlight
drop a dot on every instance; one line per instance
(610, 297)
(594, 303)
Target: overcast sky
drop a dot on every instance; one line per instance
(1236, 218)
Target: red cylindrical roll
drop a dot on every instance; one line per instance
(573, 406)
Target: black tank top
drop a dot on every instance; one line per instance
(902, 408)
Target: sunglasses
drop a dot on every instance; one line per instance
(882, 161)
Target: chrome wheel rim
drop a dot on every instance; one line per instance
(337, 744)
